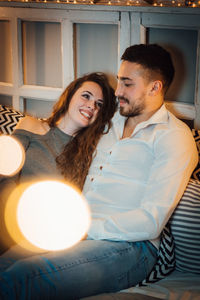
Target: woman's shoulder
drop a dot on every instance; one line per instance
(33, 125)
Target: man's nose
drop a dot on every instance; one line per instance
(118, 91)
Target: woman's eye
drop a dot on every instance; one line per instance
(86, 96)
(127, 84)
(99, 104)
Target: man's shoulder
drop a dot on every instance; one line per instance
(176, 124)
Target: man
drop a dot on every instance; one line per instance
(137, 177)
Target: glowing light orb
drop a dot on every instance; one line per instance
(52, 215)
(11, 155)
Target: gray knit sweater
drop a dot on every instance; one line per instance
(41, 152)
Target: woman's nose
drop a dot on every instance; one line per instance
(91, 104)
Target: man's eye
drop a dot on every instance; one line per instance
(127, 84)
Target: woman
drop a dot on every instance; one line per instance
(63, 145)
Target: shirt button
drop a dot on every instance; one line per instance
(110, 152)
(92, 179)
(100, 167)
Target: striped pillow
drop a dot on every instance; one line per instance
(9, 118)
(165, 263)
(196, 172)
(185, 228)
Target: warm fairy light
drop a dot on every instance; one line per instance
(161, 3)
(46, 215)
(11, 155)
(52, 215)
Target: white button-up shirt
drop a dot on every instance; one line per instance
(135, 183)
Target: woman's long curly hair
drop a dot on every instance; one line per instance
(76, 158)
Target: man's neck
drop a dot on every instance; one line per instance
(132, 122)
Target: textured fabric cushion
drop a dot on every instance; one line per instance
(165, 263)
(180, 240)
(185, 228)
(196, 135)
(8, 119)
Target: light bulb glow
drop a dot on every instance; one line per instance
(11, 155)
(48, 215)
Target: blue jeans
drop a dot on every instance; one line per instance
(89, 268)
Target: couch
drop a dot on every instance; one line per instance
(176, 275)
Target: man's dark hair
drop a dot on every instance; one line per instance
(154, 58)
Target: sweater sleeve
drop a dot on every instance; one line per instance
(23, 138)
(7, 185)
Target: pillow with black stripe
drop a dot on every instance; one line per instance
(196, 172)
(185, 228)
(180, 240)
(165, 263)
(9, 118)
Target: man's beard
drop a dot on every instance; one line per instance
(133, 110)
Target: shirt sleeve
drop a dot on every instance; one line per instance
(175, 157)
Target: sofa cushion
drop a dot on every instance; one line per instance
(185, 228)
(165, 263)
(180, 240)
(9, 118)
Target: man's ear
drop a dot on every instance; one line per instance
(156, 87)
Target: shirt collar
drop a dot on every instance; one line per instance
(159, 117)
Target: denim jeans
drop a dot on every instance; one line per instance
(89, 268)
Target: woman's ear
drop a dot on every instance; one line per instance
(156, 87)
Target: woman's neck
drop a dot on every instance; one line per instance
(67, 127)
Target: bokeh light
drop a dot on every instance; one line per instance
(50, 215)
(12, 155)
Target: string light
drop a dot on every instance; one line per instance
(149, 3)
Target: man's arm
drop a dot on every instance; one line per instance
(175, 158)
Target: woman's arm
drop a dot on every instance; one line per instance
(33, 125)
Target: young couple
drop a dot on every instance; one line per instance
(132, 171)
